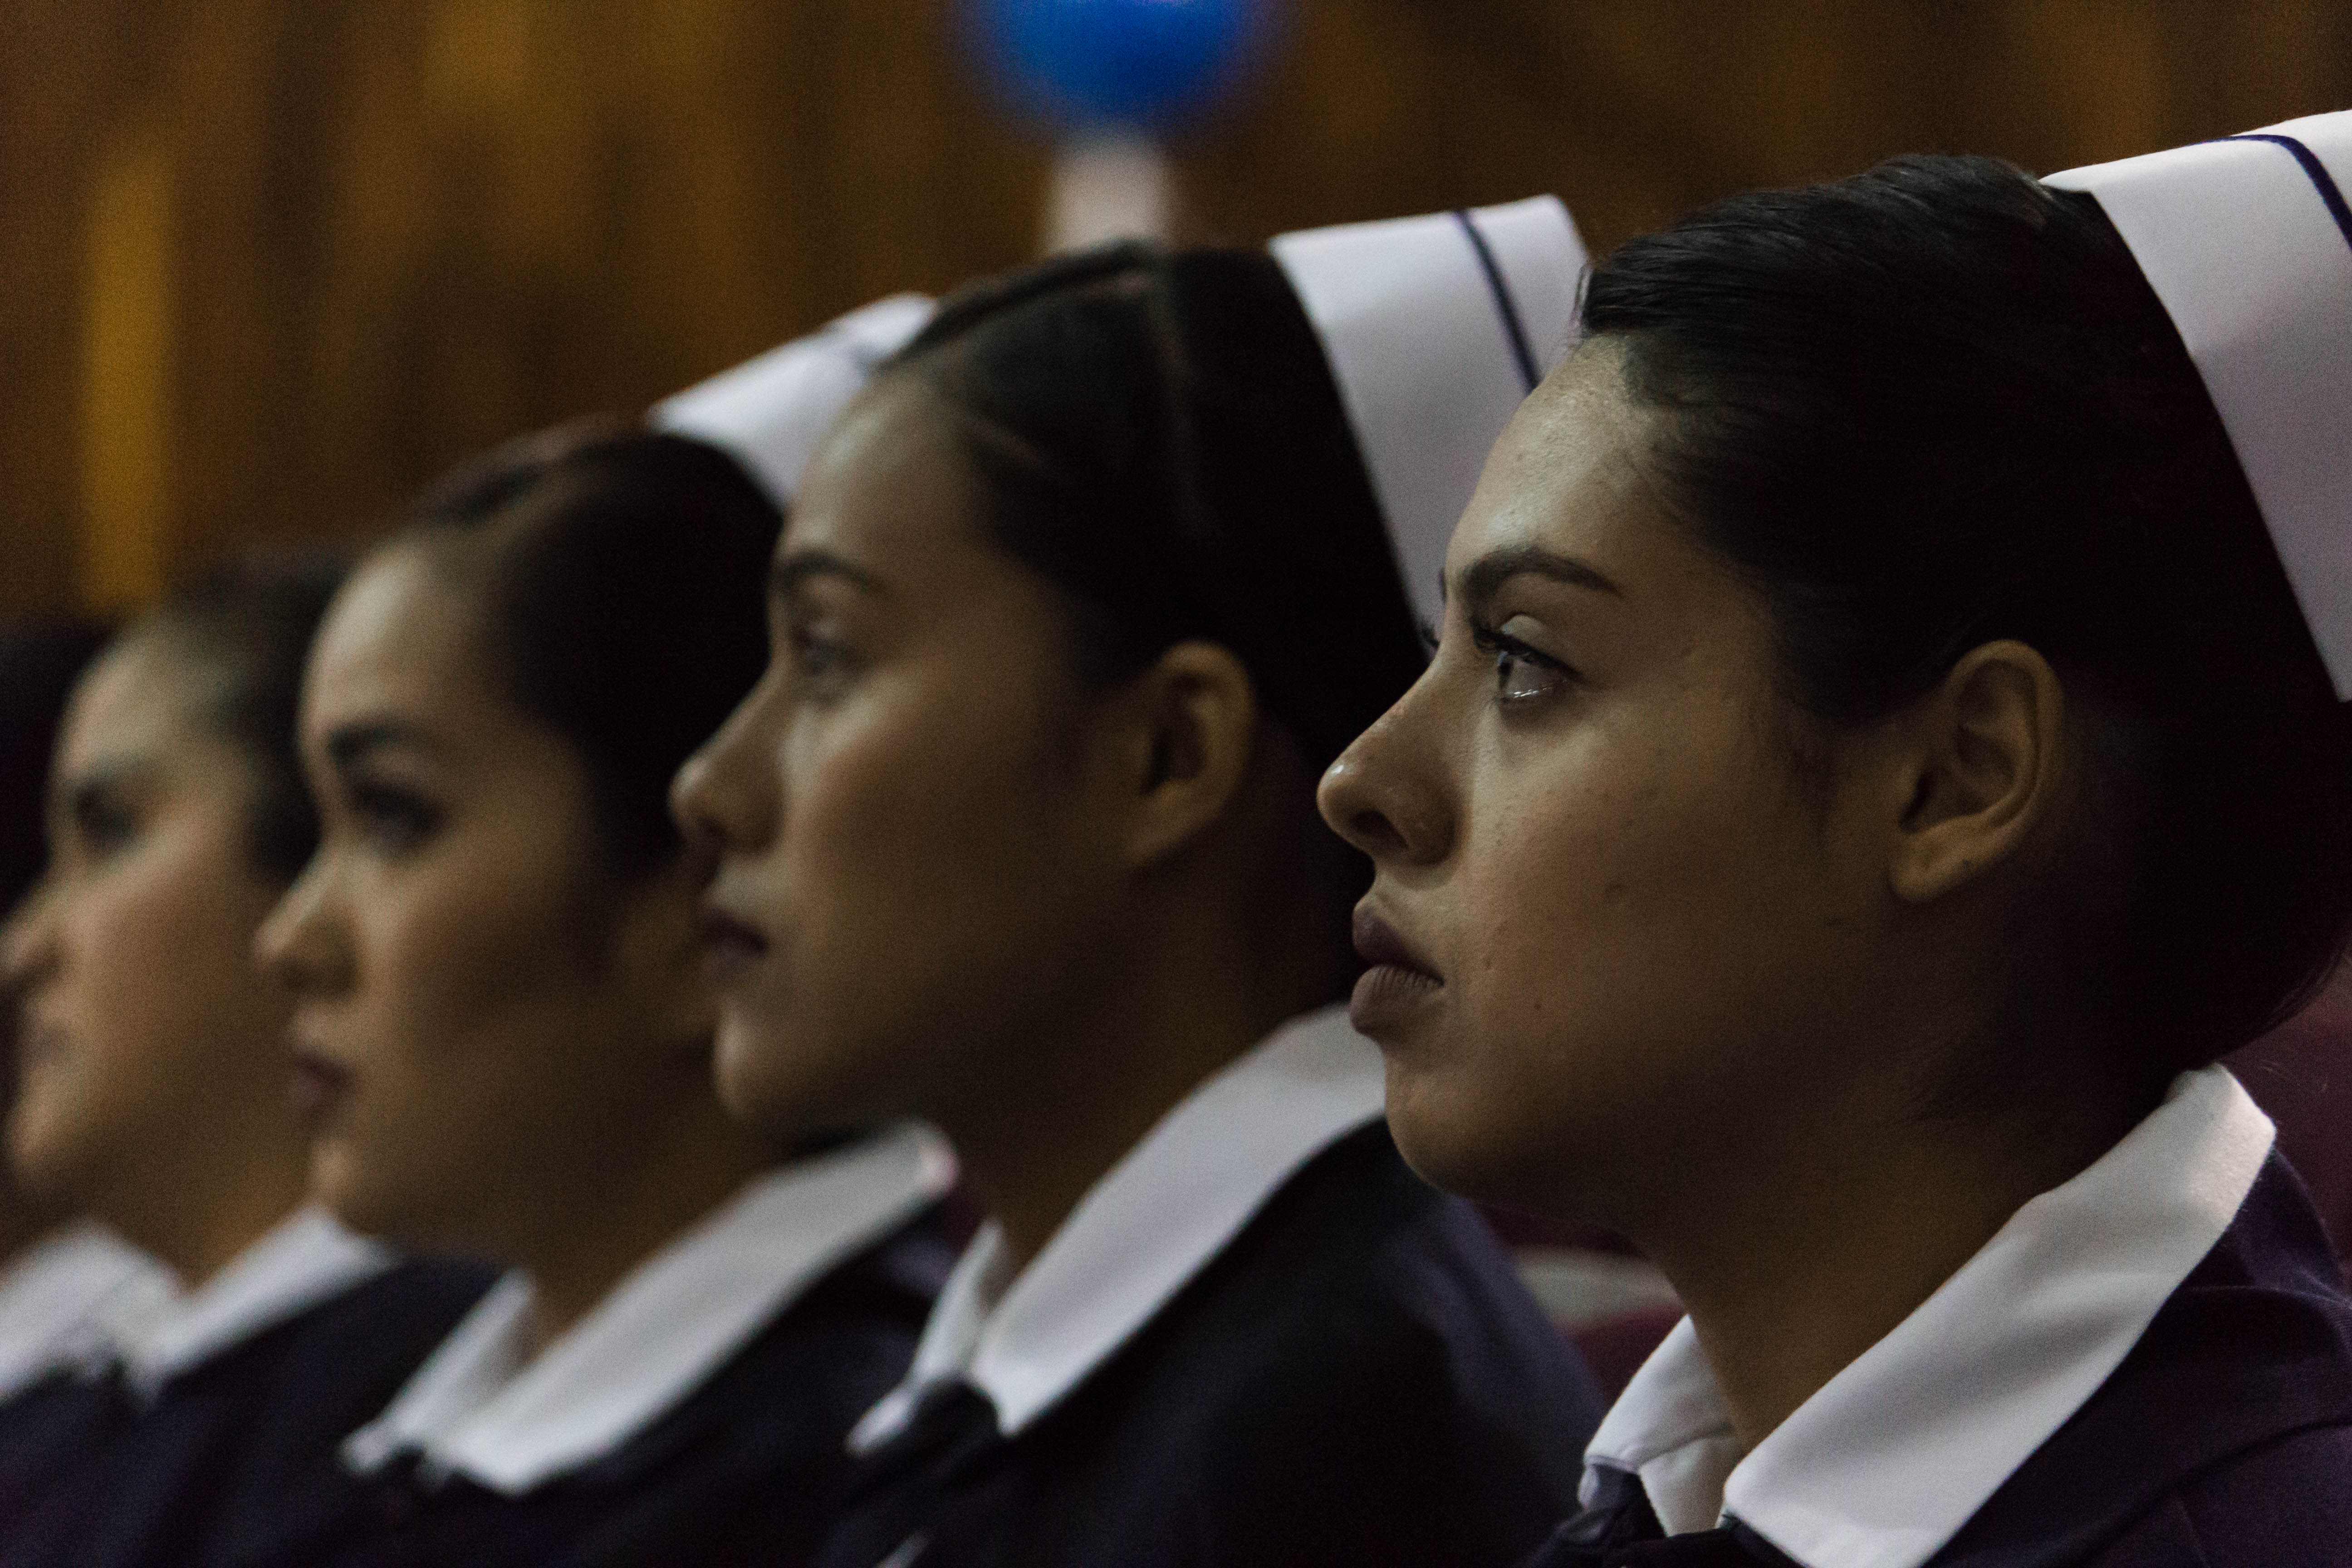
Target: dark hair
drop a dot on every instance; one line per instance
(1937, 405)
(38, 665)
(1159, 435)
(245, 630)
(624, 575)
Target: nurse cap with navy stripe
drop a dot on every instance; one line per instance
(769, 412)
(1435, 330)
(2248, 243)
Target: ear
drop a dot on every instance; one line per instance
(1186, 727)
(1980, 760)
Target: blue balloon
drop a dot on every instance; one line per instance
(1149, 64)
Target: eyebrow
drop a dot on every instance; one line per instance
(1484, 577)
(790, 571)
(348, 744)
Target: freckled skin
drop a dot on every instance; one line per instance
(1640, 918)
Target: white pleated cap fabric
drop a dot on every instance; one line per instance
(1437, 327)
(2248, 243)
(769, 412)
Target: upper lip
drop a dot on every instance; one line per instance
(1378, 944)
(307, 1048)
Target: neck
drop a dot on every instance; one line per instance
(691, 1162)
(1169, 1010)
(24, 1222)
(197, 1221)
(1801, 1256)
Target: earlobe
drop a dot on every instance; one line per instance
(1983, 758)
(1196, 712)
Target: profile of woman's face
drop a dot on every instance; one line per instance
(1617, 913)
(479, 1031)
(908, 872)
(147, 1031)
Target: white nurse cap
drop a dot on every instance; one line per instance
(1436, 329)
(769, 412)
(2248, 243)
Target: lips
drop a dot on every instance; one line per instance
(318, 1084)
(1399, 984)
(730, 944)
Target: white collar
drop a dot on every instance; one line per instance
(483, 1407)
(1143, 1231)
(56, 1300)
(1886, 1462)
(305, 1259)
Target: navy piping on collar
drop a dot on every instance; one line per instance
(1506, 307)
(2320, 177)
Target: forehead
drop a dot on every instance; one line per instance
(133, 702)
(401, 638)
(889, 486)
(1568, 474)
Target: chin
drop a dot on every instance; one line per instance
(339, 1182)
(1456, 1142)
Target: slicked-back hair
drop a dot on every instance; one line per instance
(242, 633)
(1937, 405)
(1158, 434)
(624, 576)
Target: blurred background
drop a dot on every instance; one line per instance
(270, 264)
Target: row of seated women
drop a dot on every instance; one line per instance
(762, 985)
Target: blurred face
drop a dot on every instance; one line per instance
(910, 871)
(1613, 932)
(149, 1040)
(483, 1027)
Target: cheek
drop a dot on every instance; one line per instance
(158, 1009)
(470, 999)
(1623, 919)
(922, 884)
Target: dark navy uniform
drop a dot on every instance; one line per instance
(740, 1470)
(1357, 1377)
(2223, 1440)
(102, 1474)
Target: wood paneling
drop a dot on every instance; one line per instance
(270, 264)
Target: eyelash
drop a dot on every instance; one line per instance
(815, 658)
(104, 826)
(1506, 651)
(397, 819)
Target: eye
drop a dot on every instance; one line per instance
(820, 665)
(394, 818)
(1521, 674)
(103, 821)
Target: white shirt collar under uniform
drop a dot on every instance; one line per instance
(56, 1300)
(1886, 1462)
(302, 1262)
(1143, 1231)
(483, 1407)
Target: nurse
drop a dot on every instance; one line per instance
(56, 1278)
(154, 1099)
(504, 1032)
(1887, 740)
(1017, 835)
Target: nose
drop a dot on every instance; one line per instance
(28, 948)
(724, 797)
(299, 945)
(1382, 797)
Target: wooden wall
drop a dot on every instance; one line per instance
(265, 265)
